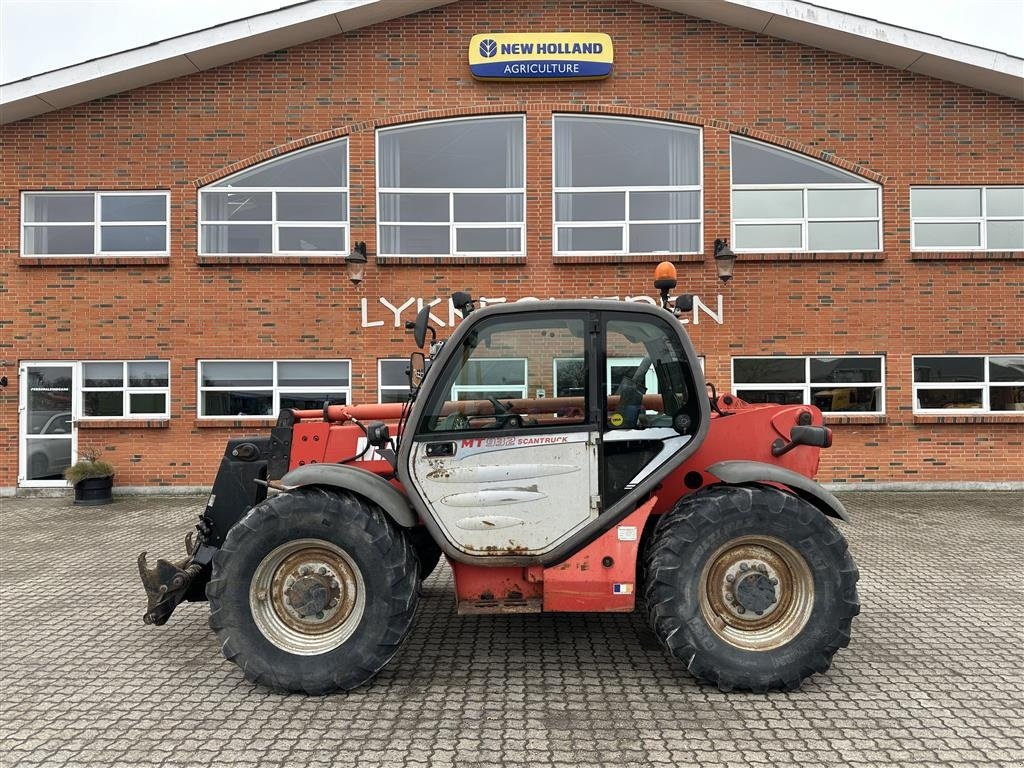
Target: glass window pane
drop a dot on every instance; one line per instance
(855, 399)
(312, 373)
(842, 236)
(570, 377)
(103, 403)
(413, 207)
(393, 373)
(590, 206)
(768, 236)
(394, 395)
(50, 241)
(322, 166)
(415, 241)
(948, 369)
(102, 375)
(1006, 399)
(842, 203)
(238, 403)
(926, 202)
(949, 398)
(305, 401)
(65, 207)
(487, 208)
(311, 206)
(769, 370)
(767, 204)
(957, 235)
(757, 163)
(237, 206)
(664, 205)
(49, 397)
(652, 238)
(133, 208)
(145, 403)
(604, 152)
(590, 238)
(846, 370)
(492, 372)
(1006, 369)
(311, 239)
(244, 373)
(487, 240)
(147, 237)
(1004, 201)
(772, 396)
(1005, 236)
(481, 152)
(487, 394)
(147, 373)
(237, 238)
(47, 459)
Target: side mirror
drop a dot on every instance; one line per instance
(417, 369)
(421, 326)
(684, 303)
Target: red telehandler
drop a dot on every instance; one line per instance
(563, 456)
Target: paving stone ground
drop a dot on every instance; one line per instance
(934, 674)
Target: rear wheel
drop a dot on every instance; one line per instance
(427, 551)
(313, 591)
(750, 587)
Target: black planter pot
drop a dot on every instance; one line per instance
(94, 491)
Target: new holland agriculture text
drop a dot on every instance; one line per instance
(544, 55)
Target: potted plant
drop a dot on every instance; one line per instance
(93, 480)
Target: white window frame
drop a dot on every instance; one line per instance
(381, 387)
(458, 389)
(127, 391)
(985, 386)
(805, 220)
(453, 226)
(628, 190)
(807, 385)
(981, 221)
(97, 222)
(275, 225)
(275, 389)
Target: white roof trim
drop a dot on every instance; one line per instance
(801, 22)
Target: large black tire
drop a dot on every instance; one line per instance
(427, 551)
(722, 537)
(369, 553)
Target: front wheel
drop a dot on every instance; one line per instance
(313, 591)
(751, 587)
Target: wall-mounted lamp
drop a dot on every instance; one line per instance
(725, 260)
(355, 263)
(3, 381)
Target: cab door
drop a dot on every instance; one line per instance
(505, 451)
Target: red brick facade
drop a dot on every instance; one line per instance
(893, 127)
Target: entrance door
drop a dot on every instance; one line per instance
(48, 439)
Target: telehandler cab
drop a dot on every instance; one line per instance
(563, 456)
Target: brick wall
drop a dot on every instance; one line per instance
(894, 127)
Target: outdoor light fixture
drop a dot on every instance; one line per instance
(355, 263)
(725, 260)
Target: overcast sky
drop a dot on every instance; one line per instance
(40, 35)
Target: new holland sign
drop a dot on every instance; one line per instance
(541, 56)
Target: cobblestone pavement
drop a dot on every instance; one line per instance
(933, 674)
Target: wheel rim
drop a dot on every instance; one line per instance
(307, 596)
(757, 593)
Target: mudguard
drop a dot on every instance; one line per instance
(758, 472)
(366, 484)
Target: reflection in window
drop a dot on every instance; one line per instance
(94, 223)
(296, 203)
(782, 201)
(977, 384)
(967, 218)
(626, 186)
(839, 385)
(261, 388)
(451, 187)
(392, 380)
(135, 389)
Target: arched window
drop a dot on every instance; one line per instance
(293, 204)
(782, 201)
(451, 187)
(626, 186)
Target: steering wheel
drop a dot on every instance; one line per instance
(502, 418)
(454, 422)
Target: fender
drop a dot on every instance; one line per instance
(373, 487)
(759, 472)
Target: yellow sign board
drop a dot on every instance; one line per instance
(541, 56)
